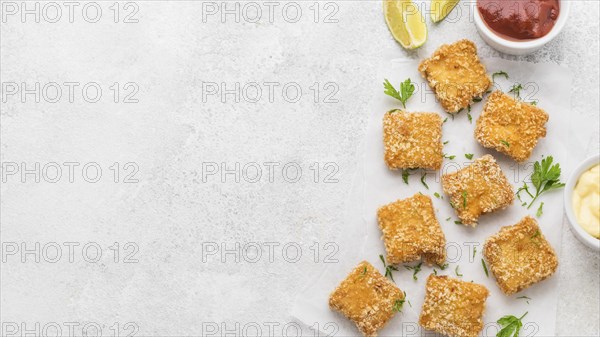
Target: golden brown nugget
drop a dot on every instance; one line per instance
(510, 126)
(478, 188)
(412, 140)
(411, 231)
(456, 75)
(367, 298)
(519, 256)
(453, 307)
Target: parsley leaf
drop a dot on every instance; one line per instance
(545, 178)
(443, 266)
(464, 199)
(469, 156)
(437, 195)
(510, 326)
(448, 157)
(504, 142)
(499, 73)
(457, 273)
(406, 90)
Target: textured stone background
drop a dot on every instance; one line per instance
(171, 215)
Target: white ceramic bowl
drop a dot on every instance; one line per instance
(521, 47)
(579, 232)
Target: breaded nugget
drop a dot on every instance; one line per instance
(453, 307)
(412, 140)
(456, 75)
(510, 126)
(478, 188)
(519, 256)
(367, 298)
(411, 231)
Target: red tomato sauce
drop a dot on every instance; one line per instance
(519, 19)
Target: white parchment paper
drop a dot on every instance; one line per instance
(375, 185)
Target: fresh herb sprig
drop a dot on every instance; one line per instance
(545, 178)
(406, 91)
(510, 326)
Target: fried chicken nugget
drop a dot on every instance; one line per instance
(412, 140)
(510, 126)
(478, 188)
(456, 75)
(411, 231)
(453, 307)
(519, 256)
(367, 298)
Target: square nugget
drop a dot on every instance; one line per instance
(510, 126)
(411, 231)
(478, 188)
(519, 256)
(367, 298)
(453, 307)
(456, 75)
(412, 140)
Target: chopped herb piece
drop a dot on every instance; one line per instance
(516, 90)
(416, 269)
(505, 143)
(443, 266)
(405, 174)
(458, 222)
(477, 99)
(437, 195)
(448, 157)
(540, 210)
(469, 156)
(448, 218)
(423, 180)
(474, 251)
(464, 199)
(524, 298)
(456, 271)
(446, 142)
(499, 73)
(388, 269)
(398, 305)
(485, 268)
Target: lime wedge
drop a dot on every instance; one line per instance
(405, 22)
(441, 8)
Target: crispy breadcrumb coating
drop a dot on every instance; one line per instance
(478, 188)
(456, 75)
(453, 307)
(519, 256)
(411, 231)
(366, 298)
(412, 140)
(510, 126)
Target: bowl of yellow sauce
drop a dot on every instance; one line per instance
(582, 202)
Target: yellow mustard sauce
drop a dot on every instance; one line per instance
(586, 201)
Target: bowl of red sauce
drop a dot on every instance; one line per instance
(520, 27)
